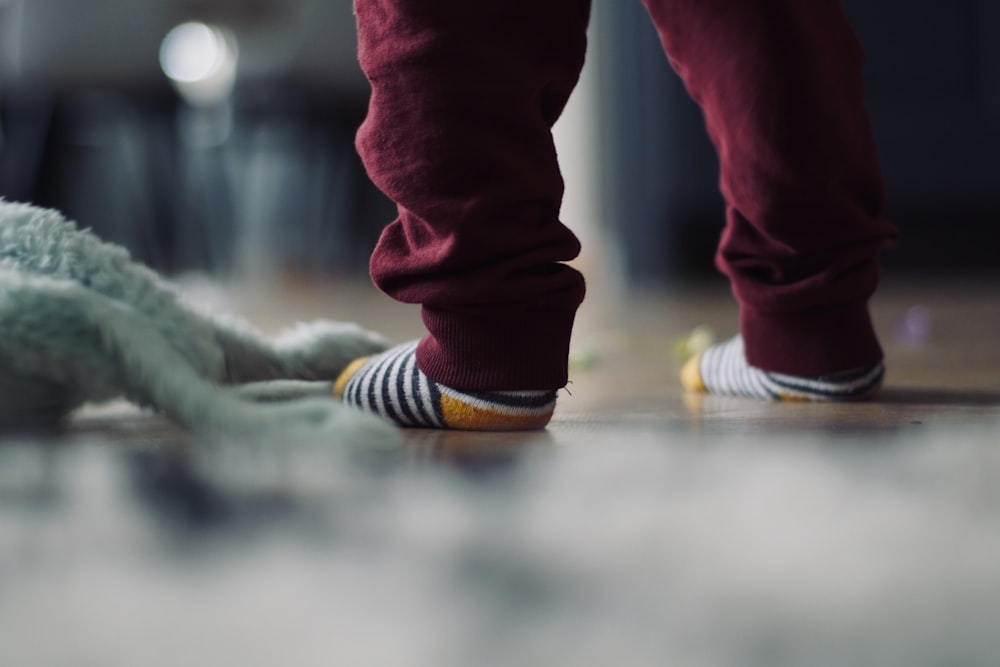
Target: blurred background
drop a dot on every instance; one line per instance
(217, 135)
(933, 89)
(224, 144)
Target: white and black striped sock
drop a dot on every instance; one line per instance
(391, 384)
(723, 369)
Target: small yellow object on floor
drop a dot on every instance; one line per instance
(700, 339)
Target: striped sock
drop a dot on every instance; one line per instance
(390, 384)
(722, 369)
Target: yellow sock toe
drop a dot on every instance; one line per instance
(691, 375)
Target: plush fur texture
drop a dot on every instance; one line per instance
(80, 322)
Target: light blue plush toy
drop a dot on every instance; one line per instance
(80, 322)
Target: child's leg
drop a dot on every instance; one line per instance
(780, 86)
(458, 134)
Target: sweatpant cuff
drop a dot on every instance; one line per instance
(811, 343)
(514, 351)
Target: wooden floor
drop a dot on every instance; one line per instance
(941, 341)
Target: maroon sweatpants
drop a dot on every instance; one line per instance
(464, 95)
